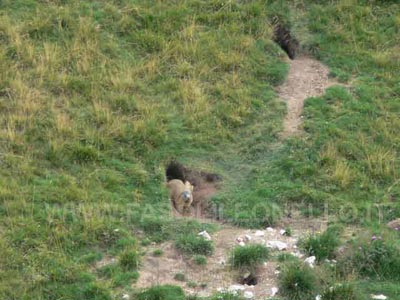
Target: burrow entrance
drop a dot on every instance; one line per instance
(285, 39)
(205, 185)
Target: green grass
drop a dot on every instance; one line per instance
(194, 244)
(162, 292)
(323, 245)
(95, 98)
(297, 281)
(248, 256)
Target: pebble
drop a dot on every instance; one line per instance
(242, 244)
(235, 288)
(205, 235)
(259, 233)
(277, 245)
(247, 237)
(270, 229)
(310, 261)
(248, 295)
(274, 291)
(379, 297)
(125, 296)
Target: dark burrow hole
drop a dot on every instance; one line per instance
(285, 39)
(250, 279)
(205, 186)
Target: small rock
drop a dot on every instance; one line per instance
(282, 231)
(297, 254)
(395, 224)
(274, 291)
(125, 296)
(222, 262)
(270, 229)
(239, 239)
(277, 245)
(318, 297)
(247, 237)
(248, 295)
(277, 272)
(235, 288)
(117, 230)
(242, 244)
(259, 233)
(205, 235)
(379, 297)
(310, 261)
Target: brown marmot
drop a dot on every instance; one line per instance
(181, 195)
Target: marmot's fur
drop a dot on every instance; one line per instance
(181, 195)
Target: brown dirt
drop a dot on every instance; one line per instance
(217, 274)
(307, 78)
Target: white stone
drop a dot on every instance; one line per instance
(239, 239)
(205, 235)
(125, 296)
(270, 229)
(242, 244)
(247, 237)
(282, 231)
(235, 288)
(318, 297)
(248, 295)
(259, 233)
(222, 262)
(277, 245)
(379, 297)
(277, 272)
(274, 291)
(310, 261)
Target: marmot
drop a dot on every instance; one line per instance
(181, 195)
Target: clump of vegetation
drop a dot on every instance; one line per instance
(200, 260)
(191, 284)
(324, 245)
(162, 292)
(341, 292)
(158, 252)
(297, 282)
(180, 277)
(194, 244)
(129, 260)
(248, 256)
(374, 258)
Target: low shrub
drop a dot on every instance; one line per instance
(323, 245)
(340, 292)
(129, 260)
(375, 258)
(200, 260)
(248, 256)
(162, 292)
(297, 282)
(193, 244)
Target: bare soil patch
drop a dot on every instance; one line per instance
(217, 273)
(307, 78)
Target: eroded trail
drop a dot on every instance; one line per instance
(307, 78)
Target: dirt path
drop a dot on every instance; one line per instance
(307, 78)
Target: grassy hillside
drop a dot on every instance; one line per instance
(96, 96)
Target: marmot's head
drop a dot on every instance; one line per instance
(187, 193)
